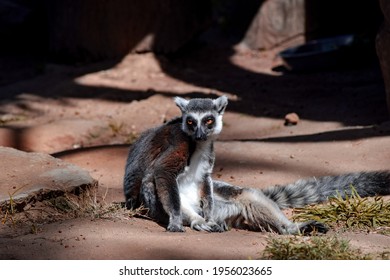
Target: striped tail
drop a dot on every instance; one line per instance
(316, 190)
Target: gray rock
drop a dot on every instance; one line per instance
(26, 176)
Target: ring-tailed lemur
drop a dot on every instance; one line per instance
(168, 171)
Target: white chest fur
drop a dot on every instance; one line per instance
(191, 179)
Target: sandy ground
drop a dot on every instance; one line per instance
(88, 115)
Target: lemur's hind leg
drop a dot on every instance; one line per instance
(250, 208)
(149, 199)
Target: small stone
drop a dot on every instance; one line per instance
(291, 119)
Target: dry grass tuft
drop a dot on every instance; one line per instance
(311, 248)
(85, 203)
(352, 212)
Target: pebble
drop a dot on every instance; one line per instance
(291, 119)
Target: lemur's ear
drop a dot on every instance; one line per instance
(220, 104)
(181, 103)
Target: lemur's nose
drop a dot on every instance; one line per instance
(199, 135)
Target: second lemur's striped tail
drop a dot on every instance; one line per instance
(315, 190)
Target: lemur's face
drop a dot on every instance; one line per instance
(201, 125)
(202, 118)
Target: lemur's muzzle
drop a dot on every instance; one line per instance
(200, 135)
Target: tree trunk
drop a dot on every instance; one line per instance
(276, 22)
(383, 48)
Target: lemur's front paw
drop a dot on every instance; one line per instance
(175, 228)
(200, 225)
(224, 227)
(210, 226)
(216, 228)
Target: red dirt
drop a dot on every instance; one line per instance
(343, 127)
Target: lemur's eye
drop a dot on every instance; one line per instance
(190, 122)
(209, 121)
